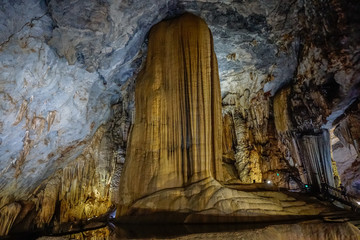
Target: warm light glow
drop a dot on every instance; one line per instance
(268, 181)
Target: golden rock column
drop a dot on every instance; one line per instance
(176, 139)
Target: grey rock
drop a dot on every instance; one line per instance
(64, 64)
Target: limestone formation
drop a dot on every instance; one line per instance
(229, 144)
(175, 144)
(346, 149)
(8, 215)
(228, 138)
(177, 135)
(316, 157)
(259, 155)
(281, 115)
(208, 201)
(77, 193)
(85, 185)
(287, 69)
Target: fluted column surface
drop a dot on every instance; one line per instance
(177, 135)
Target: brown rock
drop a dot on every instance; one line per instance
(174, 156)
(8, 215)
(281, 114)
(177, 135)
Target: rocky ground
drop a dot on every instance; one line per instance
(303, 231)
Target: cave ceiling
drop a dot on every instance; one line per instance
(65, 63)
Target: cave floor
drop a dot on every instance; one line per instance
(336, 218)
(345, 223)
(304, 229)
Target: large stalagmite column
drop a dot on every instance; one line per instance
(177, 135)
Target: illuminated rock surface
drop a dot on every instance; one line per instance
(177, 133)
(67, 71)
(175, 144)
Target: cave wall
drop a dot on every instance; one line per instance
(346, 149)
(67, 69)
(326, 81)
(51, 106)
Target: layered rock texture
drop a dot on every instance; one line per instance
(176, 137)
(175, 144)
(289, 72)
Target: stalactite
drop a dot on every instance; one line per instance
(8, 215)
(78, 192)
(247, 159)
(344, 132)
(47, 202)
(229, 144)
(85, 185)
(259, 117)
(173, 166)
(288, 141)
(316, 155)
(229, 138)
(347, 153)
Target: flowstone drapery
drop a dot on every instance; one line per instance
(177, 135)
(174, 156)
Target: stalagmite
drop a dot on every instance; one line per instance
(288, 70)
(173, 169)
(177, 135)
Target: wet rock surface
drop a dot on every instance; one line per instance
(177, 132)
(67, 68)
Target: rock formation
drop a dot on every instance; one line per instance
(317, 159)
(289, 73)
(176, 141)
(346, 149)
(177, 134)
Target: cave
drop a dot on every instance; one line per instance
(179, 119)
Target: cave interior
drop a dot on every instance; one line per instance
(119, 114)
